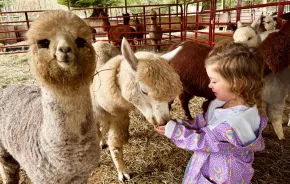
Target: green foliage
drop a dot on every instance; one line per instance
(8, 3)
(89, 3)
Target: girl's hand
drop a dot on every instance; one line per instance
(160, 129)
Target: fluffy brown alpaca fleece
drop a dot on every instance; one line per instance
(117, 32)
(278, 43)
(189, 64)
(50, 129)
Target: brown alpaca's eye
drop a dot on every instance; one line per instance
(43, 43)
(80, 42)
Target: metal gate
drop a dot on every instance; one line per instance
(206, 23)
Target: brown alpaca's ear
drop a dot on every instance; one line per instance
(275, 51)
(285, 29)
(129, 54)
(285, 16)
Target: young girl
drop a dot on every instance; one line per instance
(225, 139)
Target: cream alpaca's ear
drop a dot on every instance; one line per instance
(255, 25)
(239, 24)
(168, 56)
(129, 54)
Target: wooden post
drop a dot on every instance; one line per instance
(126, 6)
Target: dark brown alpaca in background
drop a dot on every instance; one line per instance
(139, 27)
(155, 31)
(117, 32)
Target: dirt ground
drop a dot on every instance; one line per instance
(153, 159)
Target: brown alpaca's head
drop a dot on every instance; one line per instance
(62, 57)
(153, 16)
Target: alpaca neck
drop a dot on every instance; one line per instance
(66, 117)
(154, 24)
(116, 79)
(106, 24)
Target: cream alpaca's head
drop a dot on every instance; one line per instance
(155, 84)
(62, 57)
(269, 23)
(248, 34)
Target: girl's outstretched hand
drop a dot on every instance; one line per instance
(160, 129)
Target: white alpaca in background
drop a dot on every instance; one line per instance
(248, 34)
(253, 34)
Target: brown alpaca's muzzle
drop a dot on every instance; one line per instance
(64, 54)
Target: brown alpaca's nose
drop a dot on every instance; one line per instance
(65, 53)
(64, 49)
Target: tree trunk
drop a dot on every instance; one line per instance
(68, 4)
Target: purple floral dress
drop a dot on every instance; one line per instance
(223, 143)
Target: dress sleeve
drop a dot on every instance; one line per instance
(204, 140)
(197, 123)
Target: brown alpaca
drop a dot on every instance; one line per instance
(189, 64)
(50, 130)
(116, 33)
(155, 32)
(139, 27)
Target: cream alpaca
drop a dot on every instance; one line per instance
(144, 80)
(50, 130)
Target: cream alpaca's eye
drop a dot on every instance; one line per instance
(143, 89)
(80, 42)
(144, 92)
(43, 43)
(249, 38)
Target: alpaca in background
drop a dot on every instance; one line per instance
(268, 23)
(117, 32)
(254, 34)
(155, 32)
(231, 27)
(50, 130)
(139, 27)
(248, 34)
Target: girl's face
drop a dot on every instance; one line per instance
(219, 85)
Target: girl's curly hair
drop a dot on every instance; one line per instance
(242, 67)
